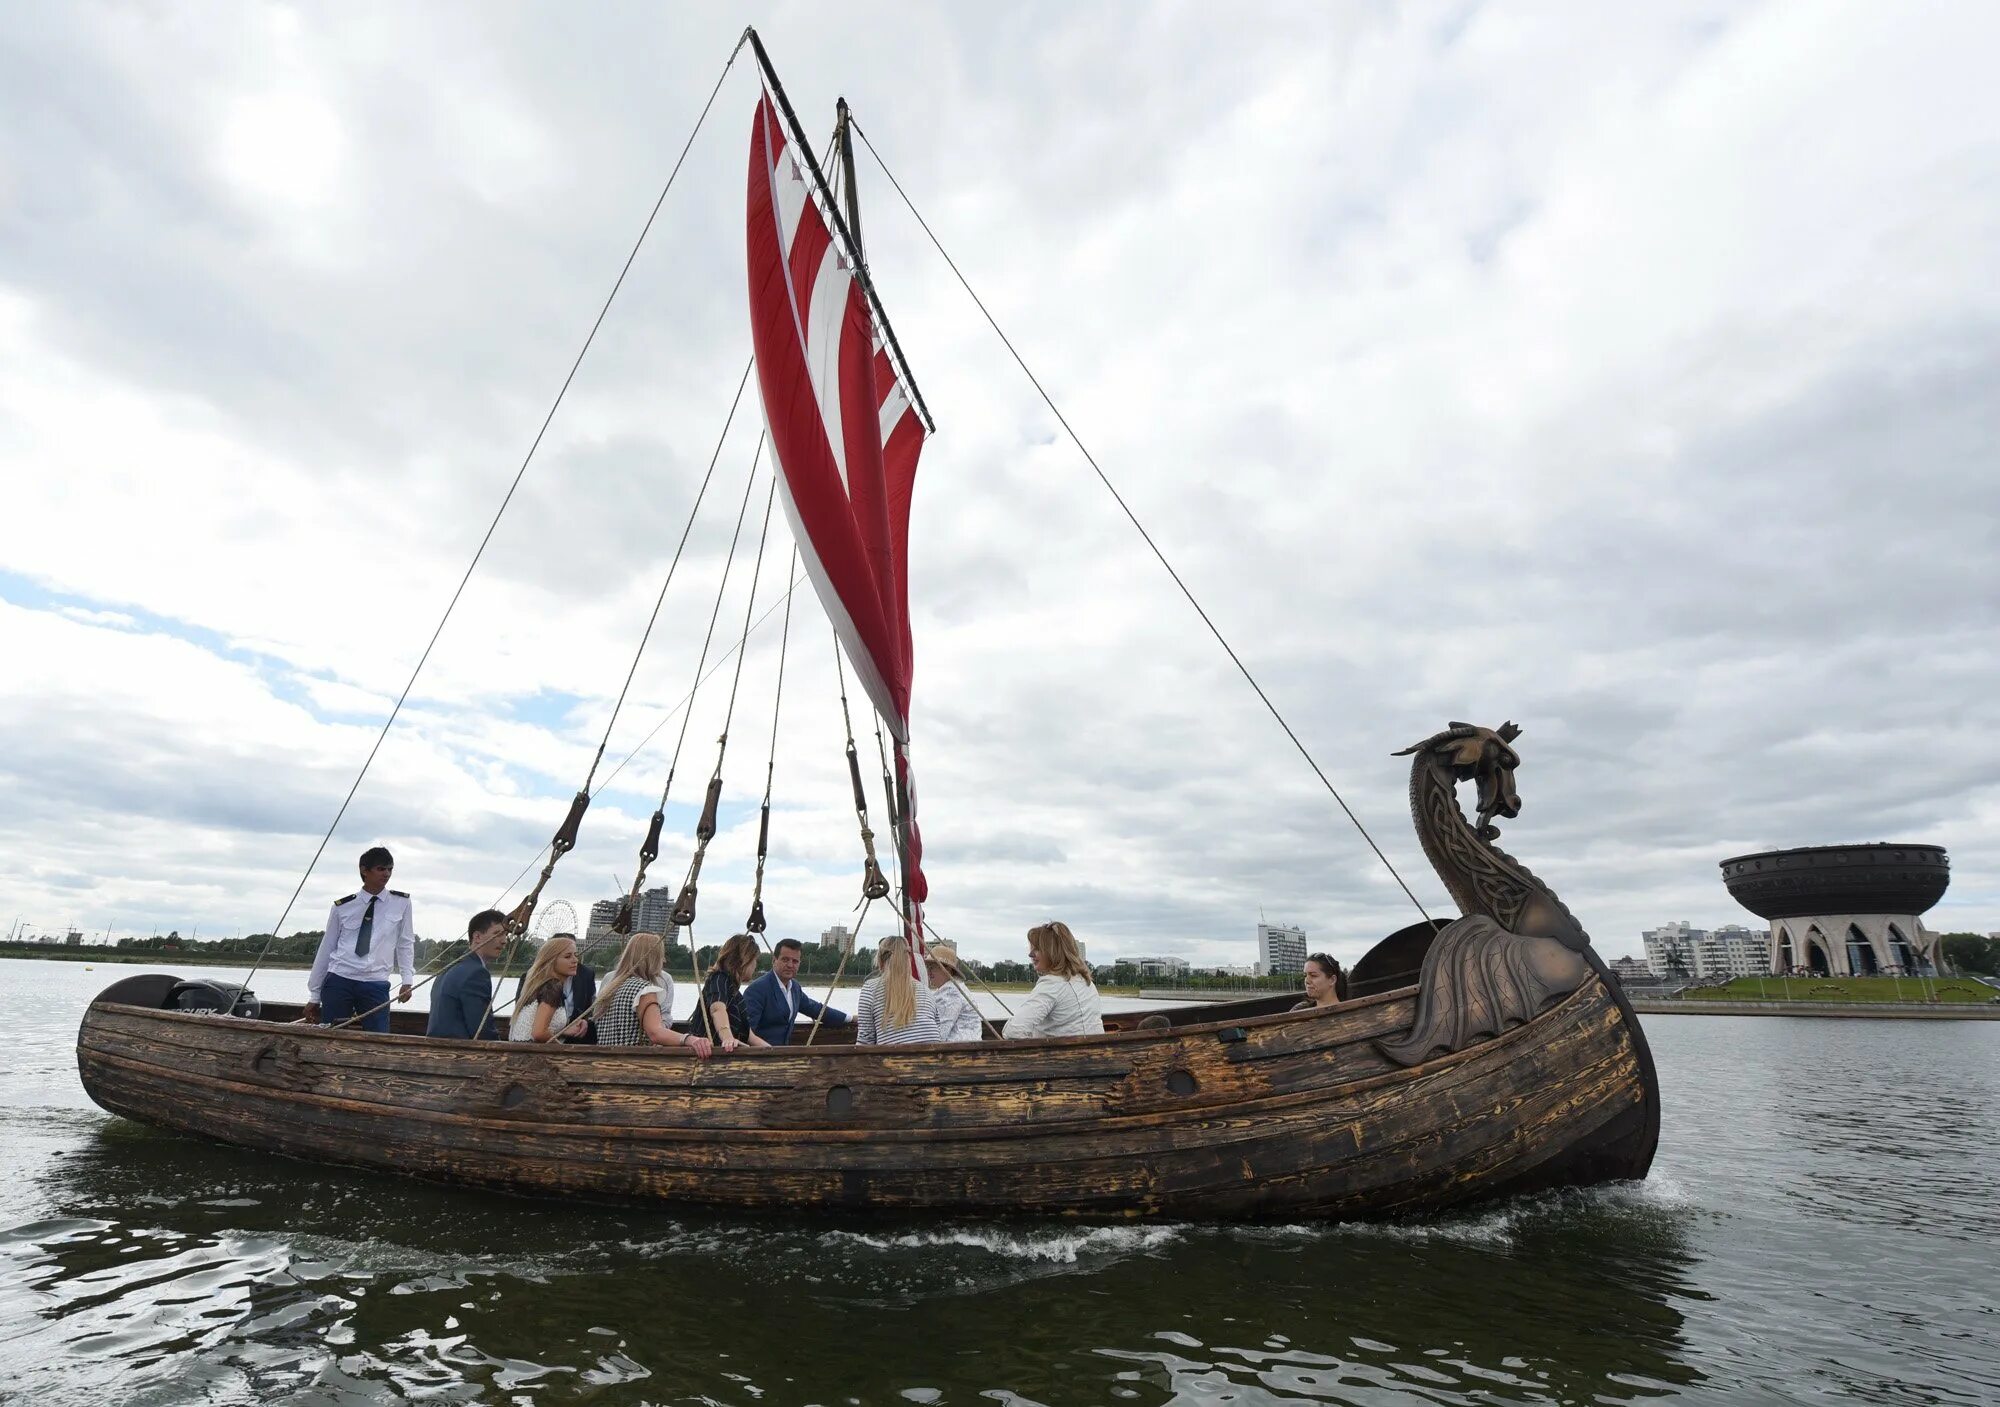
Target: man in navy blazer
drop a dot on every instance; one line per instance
(774, 1001)
(462, 999)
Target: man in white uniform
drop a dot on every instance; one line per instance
(367, 932)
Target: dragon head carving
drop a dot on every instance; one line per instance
(1482, 755)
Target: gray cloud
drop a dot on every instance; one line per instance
(1468, 365)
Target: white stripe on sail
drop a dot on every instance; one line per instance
(893, 406)
(788, 193)
(823, 324)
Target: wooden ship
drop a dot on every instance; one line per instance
(1507, 1061)
(1477, 1058)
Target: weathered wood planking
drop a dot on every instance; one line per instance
(1292, 1114)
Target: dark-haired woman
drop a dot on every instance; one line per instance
(1325, 983)
(719, 1013)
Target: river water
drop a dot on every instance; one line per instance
(1821, 1225)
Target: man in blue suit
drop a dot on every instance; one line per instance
(462, 999)
(776, 1000)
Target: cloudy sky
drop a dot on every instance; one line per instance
(1627, 373)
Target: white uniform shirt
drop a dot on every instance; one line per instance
(391, 938)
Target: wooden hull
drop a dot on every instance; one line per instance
(1289, 1115)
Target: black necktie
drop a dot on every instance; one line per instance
(367, 928)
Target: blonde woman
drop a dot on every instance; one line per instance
(958, 1019)
(719, 1014)
(539, 1013)
(894, 1008)
(636, 1005)
(1064, 1001)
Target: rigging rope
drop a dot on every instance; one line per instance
(874, 884)
(1126, 508)
(755, 923)
(839, 968)
(500, 512)
(686, 701)
(704, 831)
(649, 849)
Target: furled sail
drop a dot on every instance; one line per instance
(846, 437)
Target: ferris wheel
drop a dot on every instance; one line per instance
(558, 917)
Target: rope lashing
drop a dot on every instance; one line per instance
(649, 851)
(756, 923)
(684, 905)
(874, 884)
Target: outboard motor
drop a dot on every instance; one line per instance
(213, 997)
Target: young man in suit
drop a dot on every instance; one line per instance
(462, 999)
(369, 934)
(776, 1000)
(578, 994)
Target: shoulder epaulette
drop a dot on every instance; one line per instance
(345, 899)
(400, 894)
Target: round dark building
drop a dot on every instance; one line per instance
(1845, 910)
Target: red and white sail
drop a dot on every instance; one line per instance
(845, 434)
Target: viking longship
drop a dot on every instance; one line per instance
(1473, 1058)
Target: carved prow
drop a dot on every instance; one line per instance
(1479, 980)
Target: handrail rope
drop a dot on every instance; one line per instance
(1126, 508)
(684, 905)
(649, 849)
(508, 498)
(755, 923)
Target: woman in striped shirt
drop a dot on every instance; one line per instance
(894, 1008)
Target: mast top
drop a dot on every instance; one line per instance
(843, 230)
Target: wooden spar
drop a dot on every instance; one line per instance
(844, 140)
(848, 241)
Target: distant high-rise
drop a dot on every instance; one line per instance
(838, 937)
(1281, 950)
(603, 914)
(656, 913)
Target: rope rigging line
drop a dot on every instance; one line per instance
(649, 849)
(756, 923)
(874, 884)
(840, 968)
(679, 547)
(704, 831)
(1133, 518)
(686, 701)
(500, 512)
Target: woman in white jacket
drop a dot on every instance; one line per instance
(1064, 1002)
